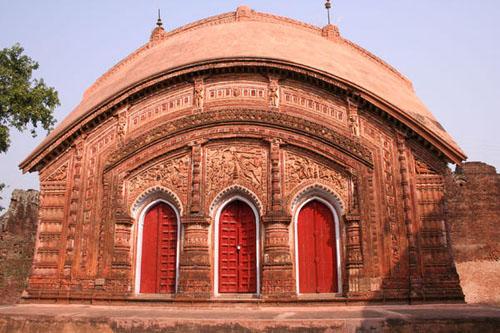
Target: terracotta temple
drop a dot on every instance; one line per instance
(246, 156)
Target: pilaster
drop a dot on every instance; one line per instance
(277, 269)
(354, 257)
(194, 271)
(194, 267)
(414, 280)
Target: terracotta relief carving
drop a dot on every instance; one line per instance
(299, 169)
(431, 210)
(171, 173)
(169, 129)
(199, 93)
(422, 169)
(59, 175)
(196, 156)
(121, 127)
(225, 165)
(274, 93)
(391, 202)
(53, 200)
(352, 108)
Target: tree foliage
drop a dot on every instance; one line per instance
(1, 188)
(24, 102)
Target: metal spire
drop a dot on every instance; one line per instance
(159, 22)
(328, 5)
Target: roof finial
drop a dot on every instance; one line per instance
(328, 5)
(159, 22)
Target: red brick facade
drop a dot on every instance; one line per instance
(273, 135)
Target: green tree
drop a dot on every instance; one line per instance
(25, 103)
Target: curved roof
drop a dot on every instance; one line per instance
(248, 34)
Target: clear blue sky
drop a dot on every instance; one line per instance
(449, 48)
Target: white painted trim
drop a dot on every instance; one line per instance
(137, 286)
(216, 241)
(337, 241)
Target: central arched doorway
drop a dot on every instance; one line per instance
(317, 249)
(159, 250)
(237, 249)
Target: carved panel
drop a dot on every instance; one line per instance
(59, 175)
(53, 199)
(431, 209)
(391, 199)
(171, 173)
(235, 164)
(300, 169)
(96, 144)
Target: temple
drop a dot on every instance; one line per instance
(246, 156)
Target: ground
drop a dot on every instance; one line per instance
(249, 318)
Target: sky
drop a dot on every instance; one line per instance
(448, 48)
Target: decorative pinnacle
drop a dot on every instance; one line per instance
(159, 23)
(328, 5)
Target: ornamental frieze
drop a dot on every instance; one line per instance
(171, 102)
(245, 116)
(229, 91)
(317, 104)
(299, 169)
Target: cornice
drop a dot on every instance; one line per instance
(323, 80)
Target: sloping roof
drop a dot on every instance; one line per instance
(249, 34)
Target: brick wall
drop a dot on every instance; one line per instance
(17, 238)
(473, 196)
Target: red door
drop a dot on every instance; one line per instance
(159, 250)
(317, 249)
(237, 249)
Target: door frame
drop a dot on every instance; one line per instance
(138, 261)
(216, 242)
(337, 242)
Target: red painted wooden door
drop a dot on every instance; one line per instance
(237, 249)
(159, 250)
(317, 249)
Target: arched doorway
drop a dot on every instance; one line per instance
(237, 249)
(317, 249)
(158, 267)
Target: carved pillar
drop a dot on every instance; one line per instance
(107, 185)
(277, 270)
(414, 282)
(354, 254)
(74, 207)
(275, 161)
(194, 275)
(121, 259)
(353, 248)
(196, 178)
